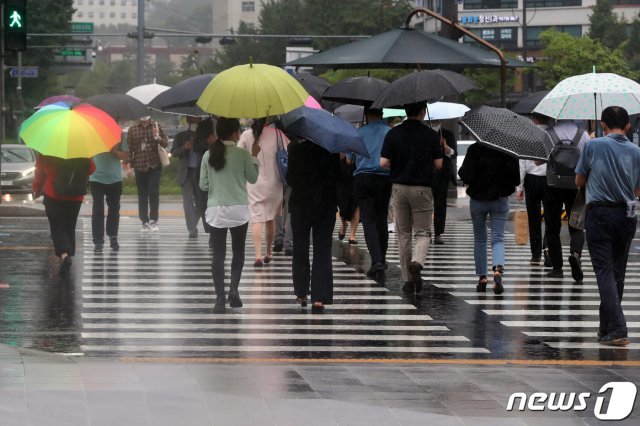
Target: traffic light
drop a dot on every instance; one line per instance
(15, 25)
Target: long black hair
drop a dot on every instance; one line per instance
(225, 128)
(256, 128)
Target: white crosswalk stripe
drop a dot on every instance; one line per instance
(154, 297)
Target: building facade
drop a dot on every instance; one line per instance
(106, 12)
(227, 14)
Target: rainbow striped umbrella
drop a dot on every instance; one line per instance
(82, 131)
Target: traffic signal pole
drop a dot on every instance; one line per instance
(3, 132)
(140, 52)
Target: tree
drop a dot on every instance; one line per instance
(607, 27)
(631, 45)
(568, 55)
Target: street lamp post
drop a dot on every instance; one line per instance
(140, 52)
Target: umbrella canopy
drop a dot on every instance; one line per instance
(421, 86)
(356, 90)
(252, 91)
(313, 84)
(147, 92)
(445, 111)
(183, 94)
(312, 103)
(118, 106)
(350, 113)
(393, 112)
(528, 104)
(509, 132)
(321, 127)
(405, 48)
(583, 97)
(66, 99)
(82, 131)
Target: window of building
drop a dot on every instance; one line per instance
(90, 2)
(134, 2)
(80, 2)
(248, 6)
(123, 2)
(102, 15)
(112, 2)
(134, 15)
(490, 4)
(123, 15)
(80, 14)
(101, 2)
(624, 2)
(533, 34)
(502, 37)
(553, 3)
(112, 15)
(90, 14)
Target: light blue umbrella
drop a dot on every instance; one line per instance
(324, 129)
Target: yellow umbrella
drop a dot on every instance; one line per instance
(252, 91)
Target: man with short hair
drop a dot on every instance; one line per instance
(412, 151)
(610, 168)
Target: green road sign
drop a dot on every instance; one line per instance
(82, 27)
(72, 52)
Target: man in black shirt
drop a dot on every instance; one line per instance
(412, 151)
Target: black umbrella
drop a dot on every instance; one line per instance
(183, 94)
(356, 90)
(509, 132)
(421, 86)
(315, 85)
(527, 105)
(119, 106)
(350, 113)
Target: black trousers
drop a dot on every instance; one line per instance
(553, 201)
(535, 188)
(219, 237)
(439, 189)
(320, 276)
(609, 236)
(372, 193)
(112, 192)
(148, 184)
(63, 216)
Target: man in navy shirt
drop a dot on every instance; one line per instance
(610, 168)
(412, 151)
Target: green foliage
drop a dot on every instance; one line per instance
(568, 56)
(168, 183)
(488, 91)
(607, 27)
(631, 51)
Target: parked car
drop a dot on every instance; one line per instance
(17, 168)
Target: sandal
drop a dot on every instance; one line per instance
(317, 308)
(498, 288)
(481, 287)
(302, 301)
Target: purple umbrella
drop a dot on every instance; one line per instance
(66, 99)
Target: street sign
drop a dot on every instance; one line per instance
(27, 72)
(82, 27)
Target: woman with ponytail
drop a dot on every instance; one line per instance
(265, 195)
(224, 173)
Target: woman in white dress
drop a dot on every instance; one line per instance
(265, 196)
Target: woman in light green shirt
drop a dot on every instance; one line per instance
(224, 173)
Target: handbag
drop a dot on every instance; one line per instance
(521, 227)
(164, 156)
(579, 210)
(282, 158)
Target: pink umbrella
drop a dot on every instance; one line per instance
(312, 103)
(66, 99)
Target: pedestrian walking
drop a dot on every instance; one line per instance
(610, 168)
(284, 236)
(442, 177)
(347, 202)
(106, 182)
(265, 195)
(412, 152)
(224, 173)
(561, 192)
(372, 189)
(63, 183)
(188, 176)
(532, 189)
(312, 174)
(144, 138)
(491, 176)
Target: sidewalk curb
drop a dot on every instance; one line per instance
(18, 210)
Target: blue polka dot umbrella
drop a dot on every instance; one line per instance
(583, 97)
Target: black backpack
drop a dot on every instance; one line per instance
(561, 167)
(72, 176)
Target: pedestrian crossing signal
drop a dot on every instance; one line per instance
(14, 25)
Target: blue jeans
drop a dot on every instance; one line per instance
(498, 211)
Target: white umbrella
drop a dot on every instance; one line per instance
(445, 110)
(583, 97)
(147, 92)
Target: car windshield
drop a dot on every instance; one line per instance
(17, 155)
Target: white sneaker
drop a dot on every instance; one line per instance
(154, 225)
(391, 227)
(145, 227)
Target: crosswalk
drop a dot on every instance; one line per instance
(561, 314)
(154, 297)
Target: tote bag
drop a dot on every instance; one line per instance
(164, 156)
(579, 210)
(521, 226)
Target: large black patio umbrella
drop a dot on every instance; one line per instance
(119, 106)
(313, 84)
(504, 130)
(356, 90)
(527, 104)
(422, 86)
(181, 98)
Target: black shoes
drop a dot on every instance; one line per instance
(234, 300)
(481, 287)
(353, 242)
(219, 307)
(193, 234)
(376, 268)
(555, 273)
(497, 283)
(438, 240)
(317, 308)
(97, 248)
(547, 259)
(414, 272)
(65, 267)
(614, 339)
(409, 287)
(535, 260)
(113, 243)
(288, 252)
(278, 246)
(576, 267)
(302, 301)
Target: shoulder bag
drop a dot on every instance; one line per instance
(282, 158)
